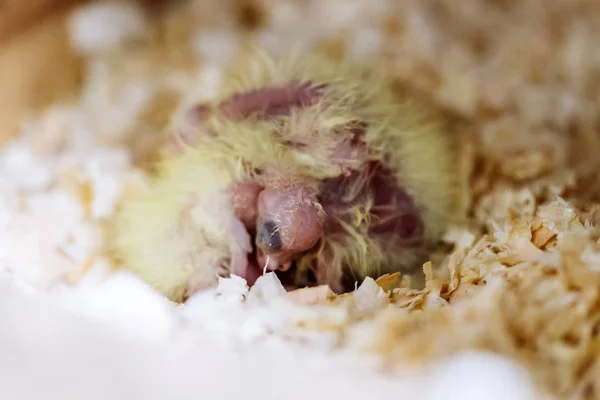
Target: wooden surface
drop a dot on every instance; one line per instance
(37, 65)
(17, 16)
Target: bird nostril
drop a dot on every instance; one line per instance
(268, 237)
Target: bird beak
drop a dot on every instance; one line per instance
(268, 238)
(271, 256)
(272, 262)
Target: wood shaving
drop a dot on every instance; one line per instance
(311, 295)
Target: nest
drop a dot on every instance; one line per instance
(522, 281)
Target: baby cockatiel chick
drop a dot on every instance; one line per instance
(305, 165)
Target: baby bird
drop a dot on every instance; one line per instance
(305, 165)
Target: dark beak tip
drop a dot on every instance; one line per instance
(268, 238)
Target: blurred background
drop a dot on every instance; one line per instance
(524, 74)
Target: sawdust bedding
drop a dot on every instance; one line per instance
(522, 281)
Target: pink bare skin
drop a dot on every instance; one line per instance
(270, 101)
(395, 219)
(290, 221)
(263, 103)
(245, 202)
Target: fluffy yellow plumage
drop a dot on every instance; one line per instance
(181, 232)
